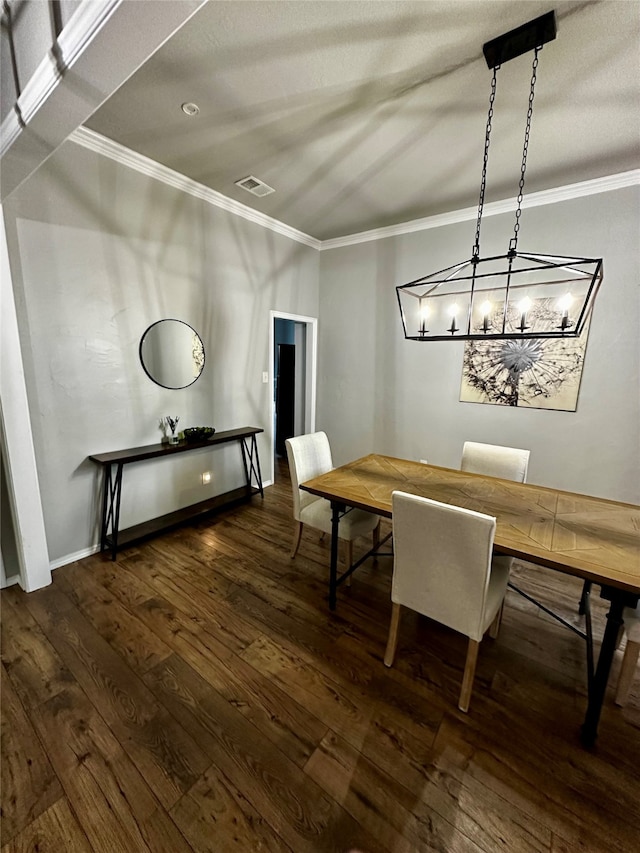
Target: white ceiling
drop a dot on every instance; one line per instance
(365, 114)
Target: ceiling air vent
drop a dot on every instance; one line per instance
(255, 186)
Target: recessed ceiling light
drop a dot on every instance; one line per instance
(190, 109)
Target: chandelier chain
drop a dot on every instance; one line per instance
(516, 229)
(487, 142)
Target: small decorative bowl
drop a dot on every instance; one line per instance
(194, 434)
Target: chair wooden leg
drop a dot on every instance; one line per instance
(494, 628)
(627, 671)
(297, 533)
(392, 641)
(348, 556)
(469, 673)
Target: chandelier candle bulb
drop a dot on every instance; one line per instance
(523, 307)
(453, 310)
(565, 304)
(485, 309)
(424, 316)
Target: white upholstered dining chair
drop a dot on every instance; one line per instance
(631, 654)
(309, 456)
(493, 460)
(509, 463)
(443, 568)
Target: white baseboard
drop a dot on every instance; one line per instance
(72, 558)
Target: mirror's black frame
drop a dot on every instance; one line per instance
(144, 366)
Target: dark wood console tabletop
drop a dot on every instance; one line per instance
(114, 461)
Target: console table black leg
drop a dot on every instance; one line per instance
(598, 685)
(111, 507)
(106, 491)
(254, 450)
(115, 510)
(336, 511)
(251, 463)
(247, 474)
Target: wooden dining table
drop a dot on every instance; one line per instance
(592, 538)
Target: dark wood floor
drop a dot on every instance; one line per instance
(198, 695)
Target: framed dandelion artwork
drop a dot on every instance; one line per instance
(528, 372)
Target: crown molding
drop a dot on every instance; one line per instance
(75, 37)
(126, 157)
(545, 197)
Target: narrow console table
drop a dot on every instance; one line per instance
(113, 463)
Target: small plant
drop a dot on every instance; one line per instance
(172, 423)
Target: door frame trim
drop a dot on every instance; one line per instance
(311, 362)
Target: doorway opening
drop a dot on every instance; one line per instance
(292, 353)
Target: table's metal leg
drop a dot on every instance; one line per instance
(585, 610)
(584, 598)
(336, 511)
(619, 599)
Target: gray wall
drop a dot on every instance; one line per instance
(99, 252)
(380, 393)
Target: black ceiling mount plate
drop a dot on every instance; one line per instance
(521, 40)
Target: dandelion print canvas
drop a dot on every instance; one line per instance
(531, 372)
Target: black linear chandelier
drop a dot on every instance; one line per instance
(511, 296)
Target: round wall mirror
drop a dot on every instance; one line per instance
(172, 353)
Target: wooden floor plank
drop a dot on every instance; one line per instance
(107, 575)
(172, 582)
(53, 831)
(27, 779)
(518, 768)
(377, 801)
(286, 723)
(113, 802)
(307, 686)
(293, 805)
(34, 667)
(158, 745)
(215, 816)
(140, 648)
